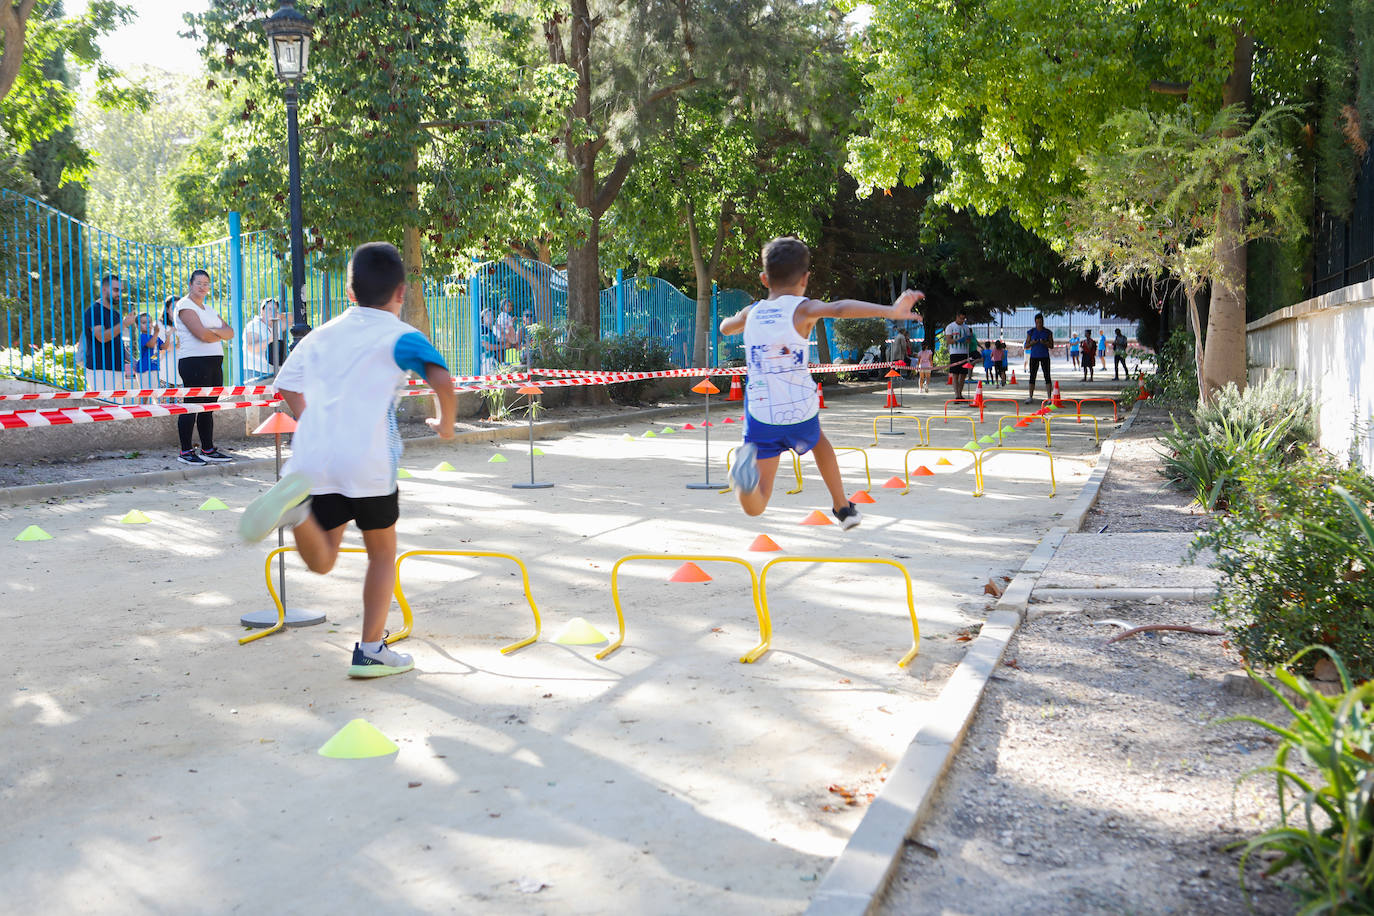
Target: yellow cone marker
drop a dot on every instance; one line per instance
(444, 466)
(577, 632)
(945, 461)
(651, 435)
(628, 438)
(666, 430)
(538, 452)
(402, 474)
(212, 504)
(134, 517)
(497, 459)
(33, 533)
(356, 740)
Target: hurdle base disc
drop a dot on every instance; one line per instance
(896, 432)
(295, 617)
(531, 486)
(704, 486)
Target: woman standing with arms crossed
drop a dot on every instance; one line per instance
(200, 362)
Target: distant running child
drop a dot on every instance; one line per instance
(999, 363)
(781, 410)
(925, 362)
(342, 382)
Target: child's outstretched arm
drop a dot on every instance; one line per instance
(735, 323)
(904, 309)
(442, 382)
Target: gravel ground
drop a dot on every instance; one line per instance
(1101, 779)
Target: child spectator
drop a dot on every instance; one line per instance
(342, 382)
(999, 363)
(152, 340)
(987, 361)
(781, 405)
(925, 362)
(1088, 356)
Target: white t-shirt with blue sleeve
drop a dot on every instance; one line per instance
(351, 371)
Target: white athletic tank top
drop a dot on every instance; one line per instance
(781, 390)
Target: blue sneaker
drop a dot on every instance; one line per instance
(744, 473)
(380, 663)
(274, 508)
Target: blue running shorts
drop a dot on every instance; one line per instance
(772, 440)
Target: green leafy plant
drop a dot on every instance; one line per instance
(858, 334)
(633, 351)
(52, 364)
(1324, 778)
(1175, 377)
(495, 399)
(1196, 464)
(1237, 415)
(571, 346)
(1296, 563)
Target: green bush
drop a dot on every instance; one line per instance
(1325, 785)
(572, 346)
(1293, 571)
(51, 364)
(858, 334)
(633, 351)
(1175, 378)
(1236, 414)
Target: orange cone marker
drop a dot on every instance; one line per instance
(891, 397)
(820, 393)
(895, 483)
(1013, 376)
(1057, 401)
(923, 471)
(816, 518)
(978, 396)
(689, 572)
(764, 542)
(861, 496)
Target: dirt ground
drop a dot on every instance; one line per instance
(153, 764)
(1101, 778)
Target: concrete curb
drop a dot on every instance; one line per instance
(1128, 593)
(252, 466)
(860, 874)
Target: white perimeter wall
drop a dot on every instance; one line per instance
(1326, 347)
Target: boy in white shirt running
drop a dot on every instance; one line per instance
(781, 407)
(342, 382)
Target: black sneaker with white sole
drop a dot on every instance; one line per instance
(383, 662)
(848, 517)
(192, 458)
(215, 455)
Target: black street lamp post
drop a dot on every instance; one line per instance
(289, 32)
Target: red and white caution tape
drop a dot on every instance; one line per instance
(234, 391)
(27, 419)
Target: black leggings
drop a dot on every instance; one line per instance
(199, 372)
(1042, 363)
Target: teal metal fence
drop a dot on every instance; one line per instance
(51, 267)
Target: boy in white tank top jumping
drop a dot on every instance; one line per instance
(781, 407)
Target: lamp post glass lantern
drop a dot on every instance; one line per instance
(288, 34)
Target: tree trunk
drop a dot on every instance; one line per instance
(584, 280)
(13, 23)
(1225, 356)
(1195, 323)
(705, 271)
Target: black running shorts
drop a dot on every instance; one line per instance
(370, 512)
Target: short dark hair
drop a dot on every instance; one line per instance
(105, 280)
(374, 272)
(197, 273)
(786, 260)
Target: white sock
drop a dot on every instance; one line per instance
(372, 648)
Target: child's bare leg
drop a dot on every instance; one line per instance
(317, 547)
(380, 582)
(755, 501)
(829, 467)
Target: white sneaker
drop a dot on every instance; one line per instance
(744, 473)
(380, 663)
(275, 508)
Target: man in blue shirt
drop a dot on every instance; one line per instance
(1039, 343)
(103, 336)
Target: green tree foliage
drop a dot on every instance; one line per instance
(1153, 207)
(630, 61)
(39, 100)
(138, 152)
(996, 100)
(422, 121)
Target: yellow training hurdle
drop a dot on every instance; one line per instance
(765, 629)
(977, 465)
(408, 618)
(1007, 448)
(898, 416)
(1001, 434)
(868, 476)
(764, 614)
(276, 599)
(796, 469)
(972, 426)
(1076, 418)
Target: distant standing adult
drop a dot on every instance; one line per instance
(261, 354)
(1089, 356)
(957, 340)
(200, 361)
(1073, 351)
(1119, 345)
(1039, 343)
(103, 337)
(1102, 348)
